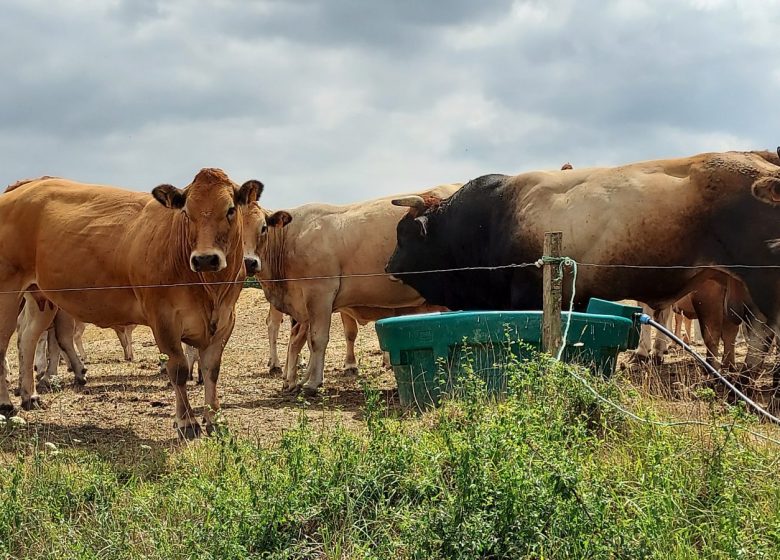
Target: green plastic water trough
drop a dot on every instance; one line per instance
(430, 353)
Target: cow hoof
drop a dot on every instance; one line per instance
(43, 386)
(33, 403)
(351, 371)
(189, 432)
(8, 410)
(275, 371)
(308, 392)
(291, 390)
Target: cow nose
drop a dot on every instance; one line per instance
(252, 265)
(205, 263)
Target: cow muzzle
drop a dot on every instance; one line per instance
(252, 265)
(207, 262)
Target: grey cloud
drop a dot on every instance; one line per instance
(345, 100)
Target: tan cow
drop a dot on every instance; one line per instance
(80, 245)
(347, 245)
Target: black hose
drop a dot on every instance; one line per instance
(647, 320)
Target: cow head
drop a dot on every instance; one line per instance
(256, 224)
(415, 250)
(767, 190)
(210, 206)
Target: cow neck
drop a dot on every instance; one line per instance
(273, 265)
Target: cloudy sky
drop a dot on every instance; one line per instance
(344, 100)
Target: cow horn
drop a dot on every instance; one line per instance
(778, 151)
(412, 201)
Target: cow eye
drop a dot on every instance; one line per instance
(264, 229)
(231, 212)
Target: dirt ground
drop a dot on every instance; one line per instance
(128, 404)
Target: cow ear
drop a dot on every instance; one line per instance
(250, 192)
(169, 196)
(278, 219)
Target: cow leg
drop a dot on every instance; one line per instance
(40, 354)
(642, 353)
(661, 342)
(65, 328)
(319, 308)
(711, 332)
(51, 359)
(273, 321)
(350, 334)
(9, 311)
(759, 339)
(6, 408)
(728, 334)
(35, 323)
(125, 336)
(298, 335)
(688, 326)
(78, 339)
(678, 321)
(176, 366)
(209, 361)
(191, 354)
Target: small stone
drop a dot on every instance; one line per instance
(50, 446)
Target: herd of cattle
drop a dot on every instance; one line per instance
(698, 235)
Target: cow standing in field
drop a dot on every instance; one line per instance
(701, 211)
(172, 261)
(348, 246)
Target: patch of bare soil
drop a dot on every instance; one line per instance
(128, 404)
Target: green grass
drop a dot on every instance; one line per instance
(549, 472)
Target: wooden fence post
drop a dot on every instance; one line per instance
(551, 317)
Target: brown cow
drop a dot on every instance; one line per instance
(650, 230)
(77, 243)
(337, 244)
